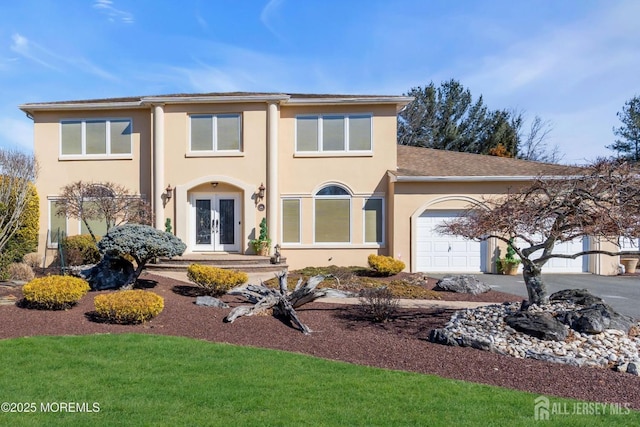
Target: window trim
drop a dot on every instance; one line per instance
(383, 219)
(348, 196)
(300, 228)
(214, 143)
(51, 214)
(320, 135)
(83, 139)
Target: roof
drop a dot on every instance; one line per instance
(217, 97)
(428, 164)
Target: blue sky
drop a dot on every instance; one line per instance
(572, 62)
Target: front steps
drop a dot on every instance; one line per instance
(246, 263)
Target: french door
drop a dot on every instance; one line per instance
(216, 222)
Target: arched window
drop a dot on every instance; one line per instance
(332, 207)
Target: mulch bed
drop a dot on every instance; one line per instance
(340, 332)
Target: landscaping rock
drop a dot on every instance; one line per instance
(208, 301)
(442, 336)
(597, 318)
(466, 284)
(109, 273)
(539, 325)
(576, 296)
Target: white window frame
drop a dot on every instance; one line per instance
(83, 135)
(364, 223)
(299, 220)
(348, 196)
(214, 150)
(320, 142)
(51, 244)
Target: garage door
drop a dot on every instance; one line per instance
(443, 253)
(565, 265)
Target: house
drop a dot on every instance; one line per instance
(324, 170)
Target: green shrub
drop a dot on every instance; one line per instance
(385, 265)
(215, 281)
(20, 271)
(130, 306)
(80, 250)
(25, 238)
(54, 292)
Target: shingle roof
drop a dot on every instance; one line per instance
(428, 162)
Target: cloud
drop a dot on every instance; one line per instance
(270, 14)
(22, 46)
(16, 133)
(113, 14)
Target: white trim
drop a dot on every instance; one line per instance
(215, 245)
(383, 219)
(50, 215)
(209, 99)
(349, 197)
(320, 152)
(214, 132)
(300, 228)
(83, 139)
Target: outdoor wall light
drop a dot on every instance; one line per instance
(214, 184)
(260, 194)
(168, 192)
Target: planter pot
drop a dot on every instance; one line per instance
(510, 269)
(630, 264)
(263, 251)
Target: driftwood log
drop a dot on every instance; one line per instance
(280, 300)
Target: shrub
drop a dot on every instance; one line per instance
(20, 271)
(80, 250)
(401, 289)
(54, 292)
(25, 238)
(378, 303)
(130, 306)
(385, 265)
(32, 259)
(215, 281)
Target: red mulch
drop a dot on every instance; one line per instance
(341, 333)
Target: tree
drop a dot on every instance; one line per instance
(448, 118)
(142, 242)
(628, 146)
(601, 201)
(104, 201)
(17, 174)
(534, 144)
(25, 238)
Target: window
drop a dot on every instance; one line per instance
(57, 224)
(215, 132)
(98, 226)
(95, 138)
(291, 221)
(332, 215)
(373, 221)
(333, 133)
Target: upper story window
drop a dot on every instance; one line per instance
(95, 138)
(216, 133)
(333, 133)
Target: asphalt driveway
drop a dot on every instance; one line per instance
(621, 292)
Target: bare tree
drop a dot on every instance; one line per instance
(17, 173)
(104, 201)
(534, 144)
(602, 202)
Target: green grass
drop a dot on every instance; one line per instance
(172, 381)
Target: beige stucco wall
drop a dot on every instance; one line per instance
(134, 173)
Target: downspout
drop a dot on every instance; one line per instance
(158, 165)
(272, 173)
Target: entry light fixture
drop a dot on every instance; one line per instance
(260, 194)
(168, 192)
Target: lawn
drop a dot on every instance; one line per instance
(158, 380)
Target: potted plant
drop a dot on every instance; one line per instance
(509, 264)
(262, 245)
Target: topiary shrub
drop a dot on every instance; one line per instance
(128, 307)
(215, 281)
(54, 292)
(80, 250)
(20, 271)
(385, 265)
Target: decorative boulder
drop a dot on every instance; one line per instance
(575, 296)
(110, 273)
(466, 284)
(595, 319)
(539, 325)
(209, 301)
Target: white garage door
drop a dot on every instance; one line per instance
(565, 265)
(443, 253)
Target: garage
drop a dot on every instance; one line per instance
(565, 265)
(436, 252)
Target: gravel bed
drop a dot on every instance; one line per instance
(340, 333)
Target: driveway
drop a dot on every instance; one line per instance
(621, 292)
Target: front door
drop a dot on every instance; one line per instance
(216, 222)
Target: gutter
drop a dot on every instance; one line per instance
(149, 100)
(30, 108)
(483, 178)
